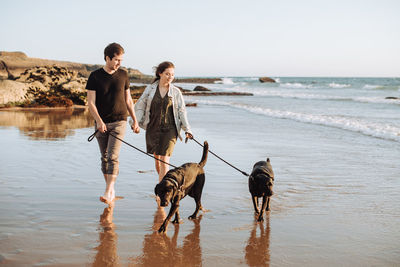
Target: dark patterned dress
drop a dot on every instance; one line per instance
(161, 133)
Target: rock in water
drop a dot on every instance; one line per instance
(266, 80)
(201, 89)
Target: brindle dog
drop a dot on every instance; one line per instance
(261, 181)
(187, 179)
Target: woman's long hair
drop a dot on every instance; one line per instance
(161, 68)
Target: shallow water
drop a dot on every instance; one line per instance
(336, 196)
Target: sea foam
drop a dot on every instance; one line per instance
(227, 81)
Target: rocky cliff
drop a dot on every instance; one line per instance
(12, 64)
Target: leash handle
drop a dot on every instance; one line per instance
(90, 138)
(244, 173)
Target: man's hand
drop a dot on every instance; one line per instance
(101, 127)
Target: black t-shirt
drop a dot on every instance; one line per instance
(110, 93)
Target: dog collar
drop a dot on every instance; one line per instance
(179, 188)
(174, 182)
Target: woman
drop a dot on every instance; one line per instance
(161, 112)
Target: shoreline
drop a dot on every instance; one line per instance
(16, 108)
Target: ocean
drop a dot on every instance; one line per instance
(352, 104)
(334, 144)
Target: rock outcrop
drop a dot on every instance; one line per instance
(52, 86)
(13, 92)
(15, 63)
(266, 80)
(197, 80)
(201, 89)
(212, 93)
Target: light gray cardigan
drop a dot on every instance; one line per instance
(142, 107)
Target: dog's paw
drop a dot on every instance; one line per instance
(203, 209)
(260, 219)
(192, 217)
(177, 221)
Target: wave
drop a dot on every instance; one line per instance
(379, 130)
(227, 81)
(381, 87)
(298, 95)
(338, 85)
(287, 94)
(369, 86)
(377, 100)
(315, 85)
(296, 85)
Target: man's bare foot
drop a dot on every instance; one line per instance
(109, 197)
(105, 200)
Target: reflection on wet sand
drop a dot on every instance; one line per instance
(257, 248)
(162, 250)
(47, 123)
(107, 248)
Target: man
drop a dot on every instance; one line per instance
(109, 99)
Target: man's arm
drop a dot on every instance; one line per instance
(130, 106)
(91, 97)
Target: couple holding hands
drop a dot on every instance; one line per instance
(160, 111)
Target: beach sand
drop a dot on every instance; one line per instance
(326, 211)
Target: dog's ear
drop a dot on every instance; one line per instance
(156, 189)
(268, 160)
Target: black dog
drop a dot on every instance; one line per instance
(261, 181)
(187, 179)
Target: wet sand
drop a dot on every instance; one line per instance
(335, 203)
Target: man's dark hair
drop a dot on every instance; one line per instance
(112, 50)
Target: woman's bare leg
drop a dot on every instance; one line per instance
(157, 163)
(164, 168)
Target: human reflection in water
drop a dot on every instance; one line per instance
(162, 250)
(257, 248)
(107, 249)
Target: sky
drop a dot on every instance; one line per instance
(340, 38)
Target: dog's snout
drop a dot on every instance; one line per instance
(164, 203)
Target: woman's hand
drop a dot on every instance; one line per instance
(135, 127)
(188, 136)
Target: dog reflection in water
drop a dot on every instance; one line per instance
(257, 248)
(107, 248)
(162, 250)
